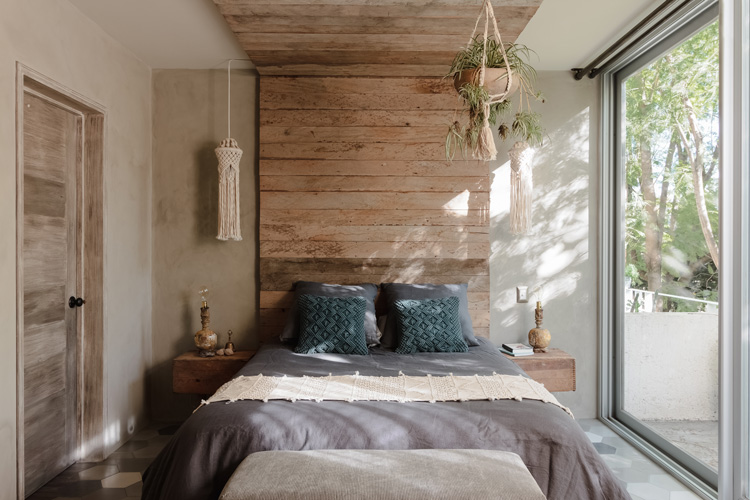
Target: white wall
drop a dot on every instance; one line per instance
(671, 366)
(55, 39)
(560, 252)
(186, 253)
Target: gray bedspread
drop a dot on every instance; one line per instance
(207, 448)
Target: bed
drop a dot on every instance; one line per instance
(208, 447)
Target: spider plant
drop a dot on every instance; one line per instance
(523, 124)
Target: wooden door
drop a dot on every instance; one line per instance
(51, 155)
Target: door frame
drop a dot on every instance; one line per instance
(90, 236)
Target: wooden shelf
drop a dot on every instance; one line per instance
(192, 374)
(556, 369)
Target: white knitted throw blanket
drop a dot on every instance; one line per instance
(401, 388)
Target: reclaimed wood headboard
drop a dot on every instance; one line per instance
(354, 187)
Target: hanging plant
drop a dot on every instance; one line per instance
(486, 73)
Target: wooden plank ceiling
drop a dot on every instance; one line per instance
(362, 37)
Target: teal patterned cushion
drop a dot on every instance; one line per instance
(331, 324)
(430, 325)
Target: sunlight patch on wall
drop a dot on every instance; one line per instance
(459, 204)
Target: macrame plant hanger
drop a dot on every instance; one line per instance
(521, 155)
(229, 155)
(485, 149)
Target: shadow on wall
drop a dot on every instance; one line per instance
(190, 119)
(206, 204)
(557, 248)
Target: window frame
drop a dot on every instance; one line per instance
(734, 348)
(677, 27)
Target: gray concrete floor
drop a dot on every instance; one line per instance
(699, 438)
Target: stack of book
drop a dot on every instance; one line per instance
(517, 349)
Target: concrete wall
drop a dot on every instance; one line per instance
(560, 252)
(189, 119)
(672, 366)
(55, 39)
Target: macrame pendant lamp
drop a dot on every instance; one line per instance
(229, 155)
(521, 187)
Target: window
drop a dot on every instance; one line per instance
(660, 286)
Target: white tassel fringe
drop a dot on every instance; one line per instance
(521, 187)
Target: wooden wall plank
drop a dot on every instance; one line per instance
(373, 168)
(355, 151)
(296, 101)
(345, 57)
(363, 201)
(434, 4)
(375, 269)
(354, 69)
(371, 249)
(378, 217)
(287, 135)
(329, 9)
(344, 42)
(379, 86)
(317, 232)
(514, 21)
(345, 117)
(393, 184)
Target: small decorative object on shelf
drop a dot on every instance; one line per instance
(229, 346)
(205, 339)
(539, 337)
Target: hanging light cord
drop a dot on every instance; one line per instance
(229, 98)
(229, 95)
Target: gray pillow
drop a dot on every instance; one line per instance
(366, 290)
(403, 291)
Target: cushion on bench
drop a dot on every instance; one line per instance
(382, 474)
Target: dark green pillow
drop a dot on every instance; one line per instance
(331, 324)
(430, 325)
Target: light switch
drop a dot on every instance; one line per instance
(522, 294)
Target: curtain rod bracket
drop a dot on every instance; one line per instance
(579, 73)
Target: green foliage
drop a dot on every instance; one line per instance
(471, 57)
(524, 124)
(658, 101)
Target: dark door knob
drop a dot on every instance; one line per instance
(75, 302)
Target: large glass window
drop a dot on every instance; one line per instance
(665, 276)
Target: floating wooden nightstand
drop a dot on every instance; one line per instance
(192, 374)
(556, 369)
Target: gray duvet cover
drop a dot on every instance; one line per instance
(207, 448)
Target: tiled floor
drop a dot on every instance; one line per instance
(119, 476)
(116, 478)
(643, 479)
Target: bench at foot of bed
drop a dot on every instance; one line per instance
(382, 474)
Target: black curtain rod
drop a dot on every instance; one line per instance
(622, 43)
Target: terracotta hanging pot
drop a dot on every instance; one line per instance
(495, 80)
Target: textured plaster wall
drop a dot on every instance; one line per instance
(560, 252)
(189, 119)
(55, 39)
(671, 367)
